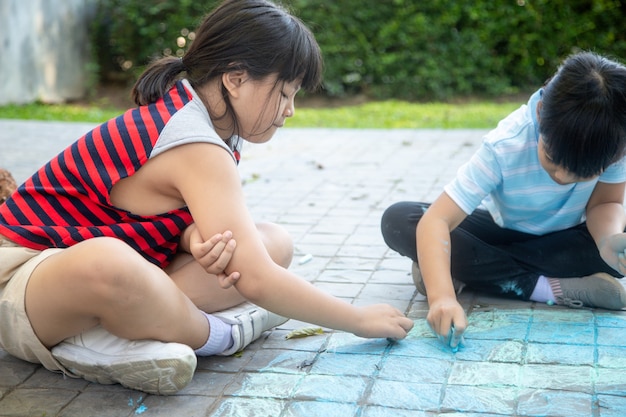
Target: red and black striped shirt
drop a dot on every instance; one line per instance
(68, 200)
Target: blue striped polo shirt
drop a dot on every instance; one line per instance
(505, 177)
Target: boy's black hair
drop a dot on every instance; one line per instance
(582, 119)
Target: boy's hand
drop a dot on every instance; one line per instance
(447, 319)
(382, 320)
(214, 255)
(613, 252)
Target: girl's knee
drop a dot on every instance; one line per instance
(107, 266)
(278, 243)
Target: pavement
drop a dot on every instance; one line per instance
(329, 187)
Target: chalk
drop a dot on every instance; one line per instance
(306, 258)
(550, 302)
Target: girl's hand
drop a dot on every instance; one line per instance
(447, 319)
(612, 250)
(214, 255)
(382, 320)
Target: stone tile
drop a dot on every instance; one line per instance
(611, 319)
(497, 316)
(419, 370)
(208, 383)
(559, 377)
(247, 407)
(612, 406)
(386, 277)
(558, 314)
(341, 290)
(14, 371)
(280, 361)
(225, 363)
(612, 357)
(263, 385)
(372, 252)
(539, 353)
(500, 329)
(410, 396)
(553, 332)
(399, 304)
(348, 343)
(426, 347)
(375, 411)
(355, 263)
(485, 373)
(612, 336)
(478, 350)
(317, 408)
(35, 402)
(402, 292)
(345, 277)
(340, 364)
(174, 406)
(314, 343)
(610, 381)
(43, 378)
(555, 403)
(120, 403)
(342, 389)
(479, 399)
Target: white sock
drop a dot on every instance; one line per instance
(220, 337)
(543, 291)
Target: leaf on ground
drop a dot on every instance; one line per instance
(304, 332)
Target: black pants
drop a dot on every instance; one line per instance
(491, 259)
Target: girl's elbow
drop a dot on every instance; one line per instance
(251, 288)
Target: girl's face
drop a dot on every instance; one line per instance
(262, 106)
(558, 174)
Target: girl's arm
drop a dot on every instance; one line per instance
(606, 221)
(433, 252)
(213, 254)
(208, 181)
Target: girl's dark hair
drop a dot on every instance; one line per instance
(583, 115)
(252, 35)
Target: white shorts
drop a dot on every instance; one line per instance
(17, 336)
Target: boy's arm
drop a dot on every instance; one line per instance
(433, 252)
(606, 221)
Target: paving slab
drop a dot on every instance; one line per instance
(329, 187)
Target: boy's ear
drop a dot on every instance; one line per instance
(232, 80)
(539, 105)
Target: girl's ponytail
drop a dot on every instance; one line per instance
(157, 79)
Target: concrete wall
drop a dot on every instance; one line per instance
(44, 49)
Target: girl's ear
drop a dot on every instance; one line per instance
(232, 80)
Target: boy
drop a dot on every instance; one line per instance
(536, 214)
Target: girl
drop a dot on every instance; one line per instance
(112, 260)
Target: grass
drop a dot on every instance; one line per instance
(60, 112)
(393, 114)
(390, 114)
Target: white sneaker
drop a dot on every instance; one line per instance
(249, 322)
(145, 365)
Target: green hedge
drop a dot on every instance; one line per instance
(407, 49)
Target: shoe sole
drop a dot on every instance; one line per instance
(162, 376)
